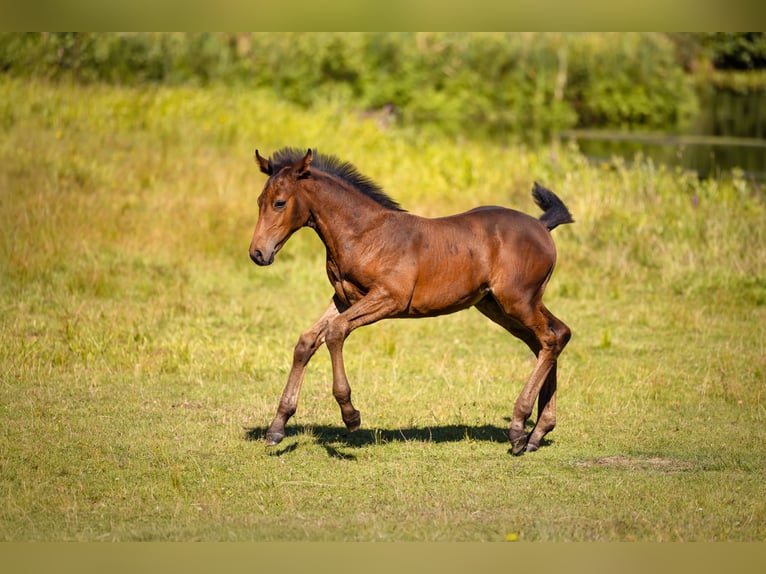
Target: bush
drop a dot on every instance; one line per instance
(737, 51)
(629, 81)
(503, 86)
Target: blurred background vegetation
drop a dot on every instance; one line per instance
(507, 87)
(138, 339)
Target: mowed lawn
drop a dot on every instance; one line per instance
(143, 354)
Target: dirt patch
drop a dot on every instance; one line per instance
(637, 463)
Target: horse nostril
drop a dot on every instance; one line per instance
(257, 256)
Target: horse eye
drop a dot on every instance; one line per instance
(279, 204)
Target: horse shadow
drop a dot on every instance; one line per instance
(335, 438)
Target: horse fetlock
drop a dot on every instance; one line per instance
(304, 350)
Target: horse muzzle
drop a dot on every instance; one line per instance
(259, 258)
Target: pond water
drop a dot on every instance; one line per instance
(729, 133)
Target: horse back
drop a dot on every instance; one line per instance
(455, 261)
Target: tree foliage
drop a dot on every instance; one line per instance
(737, 51)
(504, 86)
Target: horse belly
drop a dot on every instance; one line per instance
(435, 306)
(449, 288)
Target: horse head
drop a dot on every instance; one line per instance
(280, 209)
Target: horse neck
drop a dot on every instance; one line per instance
(340, 213)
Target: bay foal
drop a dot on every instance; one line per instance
(383, 262)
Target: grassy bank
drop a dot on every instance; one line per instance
(140, 343)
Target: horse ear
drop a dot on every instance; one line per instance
(301, 167)
(264, 164)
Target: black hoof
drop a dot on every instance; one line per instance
(518, 442)
(274, 438)
(354, 422)
(518, 450)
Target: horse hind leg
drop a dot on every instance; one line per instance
(546, 336)
(546, 411)
(492, 309)
(553, 335)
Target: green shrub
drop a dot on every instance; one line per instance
(502, 86)
(629, 81)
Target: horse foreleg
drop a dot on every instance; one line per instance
(371, 308)
(308, 343)
(341, 390)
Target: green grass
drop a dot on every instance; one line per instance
(142, 350)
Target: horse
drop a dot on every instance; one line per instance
(384, 262)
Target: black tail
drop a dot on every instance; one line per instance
(555, 213)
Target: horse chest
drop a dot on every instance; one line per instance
(345, 288)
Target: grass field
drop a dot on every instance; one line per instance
(143, 354)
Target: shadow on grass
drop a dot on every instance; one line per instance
(333, 438)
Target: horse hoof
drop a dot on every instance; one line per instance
(274, 438)
(518, 442)
(531, 447)
(518, 448)
(354, 423)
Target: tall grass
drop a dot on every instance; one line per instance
(139, 342)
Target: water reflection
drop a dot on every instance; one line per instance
(729, 134)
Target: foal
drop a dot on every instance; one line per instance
(386, 263)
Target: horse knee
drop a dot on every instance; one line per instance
(335, 335)
(305, 348)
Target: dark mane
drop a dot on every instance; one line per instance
(344, 170)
